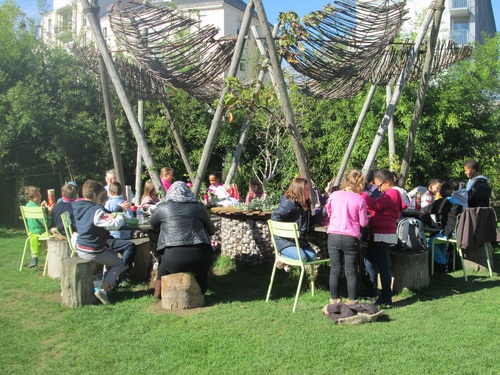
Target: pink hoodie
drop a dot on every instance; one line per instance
(347, 213)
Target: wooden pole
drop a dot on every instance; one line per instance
(419, 103)
(110, 123)
(390, 130)
(178, 140)
(216, 121)
(92, 13)
(354, 136)
(138, 160)
(398, 90)
(248, 120)
(300, 153)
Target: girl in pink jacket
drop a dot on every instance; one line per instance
(346, 209)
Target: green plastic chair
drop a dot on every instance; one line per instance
(290, 230)
(68, 230)
(459, 251)
(34, 213)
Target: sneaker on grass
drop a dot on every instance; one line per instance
(102, 296)
(33, 262)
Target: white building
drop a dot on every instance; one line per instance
(66, 23)
(463, 21)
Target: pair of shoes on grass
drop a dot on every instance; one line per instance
(102, 296)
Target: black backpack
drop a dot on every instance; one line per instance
(411, 235)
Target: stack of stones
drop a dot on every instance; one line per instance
(246, 239)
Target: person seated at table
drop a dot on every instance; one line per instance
(36, 226)
(255, 191)
(149, 197)
(346, 209)
(295, 206)
(428, 194)
(446, 213)
(116, 203)
(92, 223)
(184, 241)
(69, 194)
(387, 211)
(166, 177)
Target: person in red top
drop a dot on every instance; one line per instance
(386, 212)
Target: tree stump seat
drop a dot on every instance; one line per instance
(180, 291)
(409, 269)
(143, 261)
(77, 281)
(57, 251)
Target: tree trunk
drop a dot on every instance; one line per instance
(419, 104)
(77, 285)
(58, 250)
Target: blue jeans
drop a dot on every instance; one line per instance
(377, 260)
(306, 253)
(127, 250)
(439, 248)
(343, 250)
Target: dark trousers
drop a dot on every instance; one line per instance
(377, 260)
(127, 250)
(196, 259)
(343, 250)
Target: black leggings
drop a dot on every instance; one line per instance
(196, 259)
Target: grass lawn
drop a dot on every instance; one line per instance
(450, 328)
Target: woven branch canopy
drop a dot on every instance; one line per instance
(173, 48)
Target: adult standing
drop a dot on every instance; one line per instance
(347, 211)
(478, 190)
(184, 241)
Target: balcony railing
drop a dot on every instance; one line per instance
(458, 4)
(461, 36)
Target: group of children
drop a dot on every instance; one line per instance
(379, 202)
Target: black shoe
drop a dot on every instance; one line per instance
(33, 262)
(441, 268)
(384, 304)
(368, 293)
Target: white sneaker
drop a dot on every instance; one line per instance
(102, 296)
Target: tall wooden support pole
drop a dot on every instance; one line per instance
(216, 121)
(248, 120)
(354, 135)
(138, 160)
(390, 130)
(110, 123)
(92, 13)
(300, 153)
(403, 77)
(178, 140)
(419, 103)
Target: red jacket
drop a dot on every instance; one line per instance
(387, 210)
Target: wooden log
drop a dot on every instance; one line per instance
(77, 285)
(410, 269)
(143, 261)
(57, 251)
(180, 291)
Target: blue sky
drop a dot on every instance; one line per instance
(273, 7)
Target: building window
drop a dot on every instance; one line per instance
(238, 26)
(460, 32)
(105, 32)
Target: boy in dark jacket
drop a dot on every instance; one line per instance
(477, 187)
(92, 223)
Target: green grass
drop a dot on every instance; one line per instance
(450, 328)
